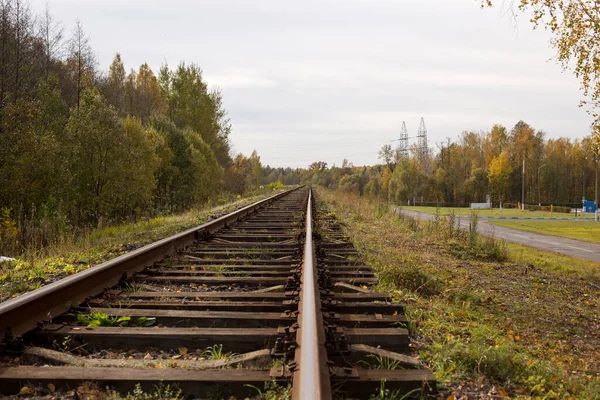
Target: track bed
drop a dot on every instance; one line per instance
(225, 307)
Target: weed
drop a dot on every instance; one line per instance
(131, 287)
(381, 211)
(160, 393)
(273, 391)
(96, 318)
(472, 238)
(374, 361)
(216, 352)
(63, 346)
(387, 394)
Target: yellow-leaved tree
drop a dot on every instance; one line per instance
(500, 175)
(575, 28)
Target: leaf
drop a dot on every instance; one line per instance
(183, 351)
(145, 321)
(25, 390)
(451, 397)
(51, 388)
(502, 392)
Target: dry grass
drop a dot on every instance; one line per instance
(84, 249)
(485, 327)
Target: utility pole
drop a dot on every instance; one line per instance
(596, 197)
(523, 186)
(538, 177)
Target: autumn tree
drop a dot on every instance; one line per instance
(575, 26)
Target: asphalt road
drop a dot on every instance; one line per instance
(569, 247)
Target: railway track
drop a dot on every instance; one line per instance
(272, 292)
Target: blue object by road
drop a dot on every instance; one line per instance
(590, 207)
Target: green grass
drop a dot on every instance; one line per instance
(587, 231)
(84, 249)
(496, 212)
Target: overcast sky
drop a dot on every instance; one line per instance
(328, 80)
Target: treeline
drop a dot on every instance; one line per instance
(81, 146)
(557, 171)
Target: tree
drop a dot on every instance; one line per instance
(115, 88)
(575, 26)
(81, 61)
(500, 175)
(112, 161)
(388, 156)
(52, 34)
(190, 104)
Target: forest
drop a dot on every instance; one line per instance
(558, 171)
(86, 147)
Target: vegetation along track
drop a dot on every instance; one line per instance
(217, 310)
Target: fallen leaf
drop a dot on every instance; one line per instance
(451, 397)
(183, 351)
(51, 388)
(25, 390)
(502, 392)
(396, 313)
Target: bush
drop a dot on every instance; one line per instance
(275, 185)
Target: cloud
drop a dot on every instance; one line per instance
(334, 79)
(239, 78)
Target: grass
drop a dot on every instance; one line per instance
(83, 250)
(496, 212)
(523, 323)
(587, 231)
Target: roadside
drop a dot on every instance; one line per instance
(569, 247)
(488, 326)
(506, 213)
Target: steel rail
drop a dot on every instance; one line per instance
(311, 379)
(24, 313)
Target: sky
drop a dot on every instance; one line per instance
(334, 79)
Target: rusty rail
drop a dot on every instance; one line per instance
(311, 380)
(25, 312)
